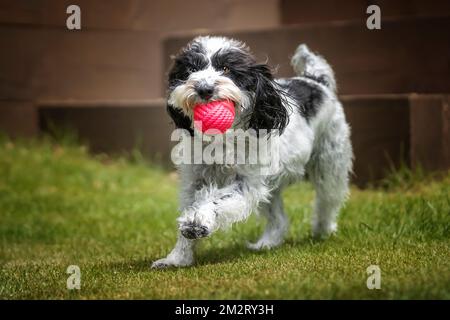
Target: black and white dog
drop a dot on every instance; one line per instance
(314, 142)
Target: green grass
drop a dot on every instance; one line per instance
(112, 217)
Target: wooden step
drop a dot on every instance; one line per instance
(18, 118)
(57, 64)
(116, 54)
(430, 131)
(144, 15)
(380, 134)
(113, 126)
(301, 12)
(406, 55)
(387, 130)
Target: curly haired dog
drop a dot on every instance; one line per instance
(314, 142)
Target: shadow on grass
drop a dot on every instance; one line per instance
(240, 252)
(233, 253)
(226, 254)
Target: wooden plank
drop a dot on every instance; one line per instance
(61, 64)
(113, 127)
(387, 130)
(300, 12)
(144, 15)
(406, 55)
(380, 128)
(380, 134)
(430, 132)
(100, 61)
(18, 119)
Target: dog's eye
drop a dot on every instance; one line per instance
(191, 69)
(225, 70)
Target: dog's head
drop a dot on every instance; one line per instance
(217, 68)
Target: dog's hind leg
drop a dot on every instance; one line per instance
(277, 224)
(329, 169)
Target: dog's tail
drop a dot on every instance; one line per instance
(313, 66)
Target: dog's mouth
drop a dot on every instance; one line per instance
(186, 98)
(215, 117)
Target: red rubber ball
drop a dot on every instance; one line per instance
(215, 116)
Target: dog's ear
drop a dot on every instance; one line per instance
(180, 119)
(269, 111)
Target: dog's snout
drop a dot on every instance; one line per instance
(204, 90)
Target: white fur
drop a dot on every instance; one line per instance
(216, 196)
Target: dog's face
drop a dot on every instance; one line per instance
(216, 68)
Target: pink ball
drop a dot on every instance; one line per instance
(217, 116)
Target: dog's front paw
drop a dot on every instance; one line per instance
(162, 264)
(192, 230)
(198, 223)
(168, 262)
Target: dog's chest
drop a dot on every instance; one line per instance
(219, 175)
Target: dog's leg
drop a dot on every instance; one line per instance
(181, 256)
(277, 224)
(216, 208)
(329, 169)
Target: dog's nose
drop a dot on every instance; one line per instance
(205, 91)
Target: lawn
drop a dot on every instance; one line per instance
(112, 217)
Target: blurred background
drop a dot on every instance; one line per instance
(107, 80)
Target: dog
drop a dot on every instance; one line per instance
(314, 142)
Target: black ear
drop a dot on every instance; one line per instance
(180, 119)
(269, 111)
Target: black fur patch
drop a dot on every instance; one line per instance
(238, 62)
(180, 120)
(268, 112)
(190, 59)
(194, 231)
(323, 79)
(308, 96)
